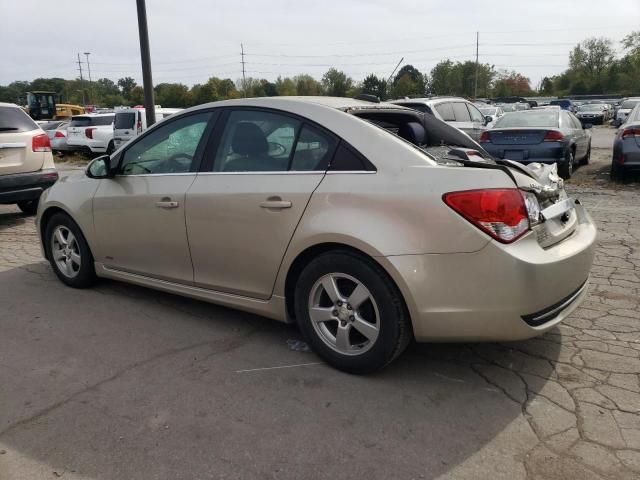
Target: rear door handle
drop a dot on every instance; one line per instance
(167, 203)
(275, 203)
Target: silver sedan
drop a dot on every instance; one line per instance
(331, 213)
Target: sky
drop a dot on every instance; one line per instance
(192, 40)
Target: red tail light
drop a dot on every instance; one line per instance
(630, 132)
(500, 212)
(484, 137)
(139, 126)
(40, 143)
(89, 132)
(59, 134)
(553, 136)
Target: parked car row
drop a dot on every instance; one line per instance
(626, 146)
(101, 131)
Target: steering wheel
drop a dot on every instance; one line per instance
(175, 165)
(276, 149)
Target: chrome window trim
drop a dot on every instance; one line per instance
(285, 172)
(157, 174)
(288, 172)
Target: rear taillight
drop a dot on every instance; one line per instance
(553, 136)
(501, 212)
(89, 132)
(139, 126)
(40, 143)
(630, 132)
(484, 137)
(59, 134)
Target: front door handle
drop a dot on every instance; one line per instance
(166, 202)
(275, 203)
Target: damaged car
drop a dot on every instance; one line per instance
(370, 225)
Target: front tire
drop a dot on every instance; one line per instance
(28, 207)
(68, 252)
(351, 313)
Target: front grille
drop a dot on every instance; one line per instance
(547, 314)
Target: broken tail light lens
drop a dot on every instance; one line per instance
(499, 212)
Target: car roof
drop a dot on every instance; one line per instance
(5, 104)
(428, 99)
(336, 103)
(91, 115)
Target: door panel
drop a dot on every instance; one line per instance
(137, 235)
(237, 241)
(139, 215)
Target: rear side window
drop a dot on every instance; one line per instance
(124, 120)
(460, 112)
(13, 119)
(313, 150)
(347, 159)
(421, 107)
(446, 112)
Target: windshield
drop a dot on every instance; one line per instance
(509, 107)
(629, 103)
(529, 119)
(590, 108)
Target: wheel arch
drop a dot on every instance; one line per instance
(44, 220)
(303, 258)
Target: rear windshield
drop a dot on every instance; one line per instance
(592, 107)
(91, 121)
(562, 103)
(13, 119)
(124, 120)
(50, 125)
(629, 103)
(538, 118)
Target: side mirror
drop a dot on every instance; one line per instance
(100, 167)
(487, 119)
(587, 126)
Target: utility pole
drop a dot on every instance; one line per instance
(244, 80)
(394, 70)
(89, 70)
(84, 103)
(147, 81)
(475, 86)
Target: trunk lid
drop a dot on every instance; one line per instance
(517, 136)
(16, 155)
(558, 210)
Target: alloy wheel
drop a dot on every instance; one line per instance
(66, 251)
(344, 314)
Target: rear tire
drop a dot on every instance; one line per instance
(616, 172)
(565, 169)
(68, 252)
(587, 157)
(360, 322)
(28, 207)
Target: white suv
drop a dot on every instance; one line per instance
(456, 111)
(91, 133)
(26, 162)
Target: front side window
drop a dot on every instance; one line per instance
(169, 148)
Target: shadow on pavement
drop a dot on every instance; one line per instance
(125, 382)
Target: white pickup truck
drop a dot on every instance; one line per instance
(91, 133)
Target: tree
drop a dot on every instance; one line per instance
(408, 81)
(511, 83)
(171, 95)
(286, 86)
(546, 86)
(372, 85)
(590, 60)
(336, 83)
(137, 95)
(269, 88)
(307, 85)
(126, 84)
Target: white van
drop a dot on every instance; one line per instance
(131, 122)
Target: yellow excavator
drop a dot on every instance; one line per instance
(42, 105)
